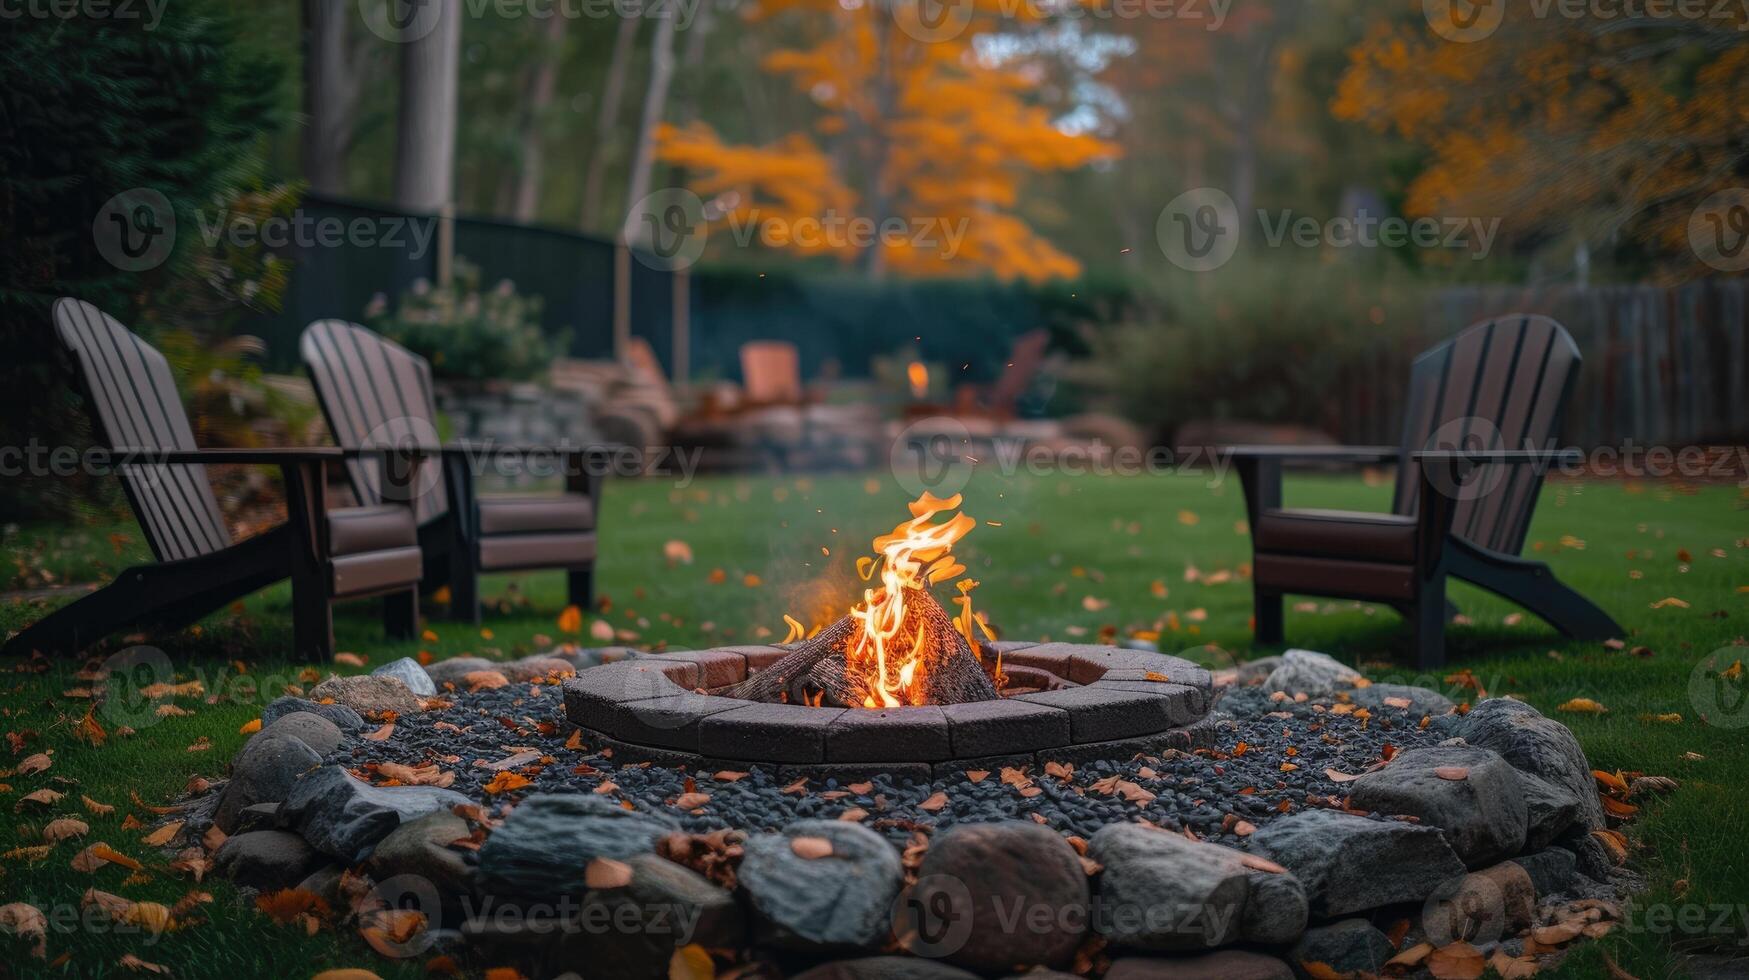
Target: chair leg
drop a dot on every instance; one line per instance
(1266, 610)
(1532, 585)
(401, 614)
(312, 621)
(580, 587)
(1427, 620)
(464, 587)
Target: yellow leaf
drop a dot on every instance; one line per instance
(250, 727)
(570, 620)
(691, 962)
(1583, 706)
(163, 835)
(505, 782)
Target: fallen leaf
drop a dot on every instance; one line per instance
(1453, 773)
(1583, 706)
(381, 734)
(811, 848)
(250, 727)
(28, 921)
(163, 835)
(65, 828)
(691, 962)
(934, 804)
(607, 873)
(691, 801)
(131, 962)
(1458, 961)
(507, 781)
(30, 765)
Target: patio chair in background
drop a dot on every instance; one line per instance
(376, 392)
(1483, 414)
(329, 555)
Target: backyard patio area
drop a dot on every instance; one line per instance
(1079, 559)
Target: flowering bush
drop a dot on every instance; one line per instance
(467, 334)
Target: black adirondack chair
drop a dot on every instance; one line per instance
(330, 555)
(375, 392)
(1484, 412)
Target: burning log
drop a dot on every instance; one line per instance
(820, 671)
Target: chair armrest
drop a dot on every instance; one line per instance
(1315, 454)
(1559, 457)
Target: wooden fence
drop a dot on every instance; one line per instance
(1663, 366)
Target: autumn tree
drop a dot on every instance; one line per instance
(1584, 133)
(909, 125)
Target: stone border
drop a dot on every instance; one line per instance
(1113, 703)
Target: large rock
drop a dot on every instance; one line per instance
(344, 718)
(885, 968)
(1223, 964)
(1469, 793)
(266, 859)
(1161, 891)
(836, 903)
(1549, 809)
(1551, 870)
(1019, 886)
(544, 848)
(665, 907)
(370, 696)
(345, 818)
(1350, 864)
(312, 729)
(1349, 948)
(1481, 907)
(536, 668)
(265, 771)
(421, 847)
(1421, 699)
(407, 671)
(1303, 671)
(1541, 746)
(452, 671)
(1277, 910)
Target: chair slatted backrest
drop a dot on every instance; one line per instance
(1024, 361)
(374, 393)
(135, 405)
(771, 372)
(1500, 384)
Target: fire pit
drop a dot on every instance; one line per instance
(896, 685)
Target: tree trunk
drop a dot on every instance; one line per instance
(655, 102)
(426, 126)
(542, 79)
(330, 95)
(607, 121)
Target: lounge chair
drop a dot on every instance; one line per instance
(1484, 412)
(329, 555)
(376, 392)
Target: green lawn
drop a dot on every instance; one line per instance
(1059, 557)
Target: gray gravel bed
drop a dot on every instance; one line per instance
(1207, 792)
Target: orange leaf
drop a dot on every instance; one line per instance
(607, 873)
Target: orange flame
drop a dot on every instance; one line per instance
(916, 555)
